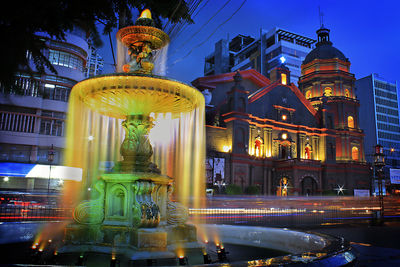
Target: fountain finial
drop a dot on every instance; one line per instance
(145, 19)
(145, 14)
(142, 39)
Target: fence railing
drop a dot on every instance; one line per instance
(17, 122)
(33, 213)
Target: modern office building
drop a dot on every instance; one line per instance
(95, 62)
(32, 124)
(243, 52)
(380, 108)
(379, 103)
(266, 132)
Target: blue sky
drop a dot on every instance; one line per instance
(367, 32)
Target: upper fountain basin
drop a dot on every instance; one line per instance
(131, 35)
(121, 94)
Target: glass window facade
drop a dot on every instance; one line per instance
(65, 59)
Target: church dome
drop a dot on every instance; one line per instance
(324, 48)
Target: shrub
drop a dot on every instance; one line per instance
(233, 189)
(253, 190)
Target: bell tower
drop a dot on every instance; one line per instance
(327, 83)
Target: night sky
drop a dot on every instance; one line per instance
(367, 32)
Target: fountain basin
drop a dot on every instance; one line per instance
(303, 248)
(121, 94)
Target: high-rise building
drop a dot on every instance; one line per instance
(95, 62)
(379, 103)
(243, 52)
(32, 122)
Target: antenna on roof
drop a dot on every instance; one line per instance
(321, 17)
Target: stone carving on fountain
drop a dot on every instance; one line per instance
(91, 211)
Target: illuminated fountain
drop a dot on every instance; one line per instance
(130, 211)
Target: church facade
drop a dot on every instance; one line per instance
(266, 132)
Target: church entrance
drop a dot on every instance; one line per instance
(308, 186)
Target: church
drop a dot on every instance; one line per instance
(287, 140)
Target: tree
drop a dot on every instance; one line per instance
(20, 21)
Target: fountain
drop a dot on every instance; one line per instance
(130, 211)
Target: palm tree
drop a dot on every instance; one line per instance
(20, 21)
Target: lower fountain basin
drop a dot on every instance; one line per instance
(298, 248)
(306, 248)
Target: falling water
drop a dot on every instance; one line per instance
(160, 63)
(122, 55)
(93, 144)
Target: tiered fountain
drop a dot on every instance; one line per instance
(132, 213)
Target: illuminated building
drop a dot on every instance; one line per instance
(243, 52)
(379, 102)
(33, 122)
(378, 98)
(284, 139)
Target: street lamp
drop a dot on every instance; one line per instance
(50, 158)
(379, 163)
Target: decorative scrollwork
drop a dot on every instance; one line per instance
(91, 211)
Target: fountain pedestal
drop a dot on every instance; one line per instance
(133, 213)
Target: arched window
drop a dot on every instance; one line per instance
(328, 91)
(308, 94)
(350, 122)
(258, 147)
(346, 93)
(284, 78)
(354, 153)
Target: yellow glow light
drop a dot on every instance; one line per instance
(145, 14)
(226, 148)
(284, 117)
(284, 136)
(284, 81)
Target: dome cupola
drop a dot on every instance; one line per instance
(324, 49)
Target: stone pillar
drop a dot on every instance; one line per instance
(30, 184)
(265, 181)
(251, 139)
(268, 132)
(314, 144)
(33, 154)
(269, 181)
(343, 156)
(301, 145)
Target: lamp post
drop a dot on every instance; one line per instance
(379, 163)
(50, 158)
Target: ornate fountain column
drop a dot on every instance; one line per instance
(136, 148)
